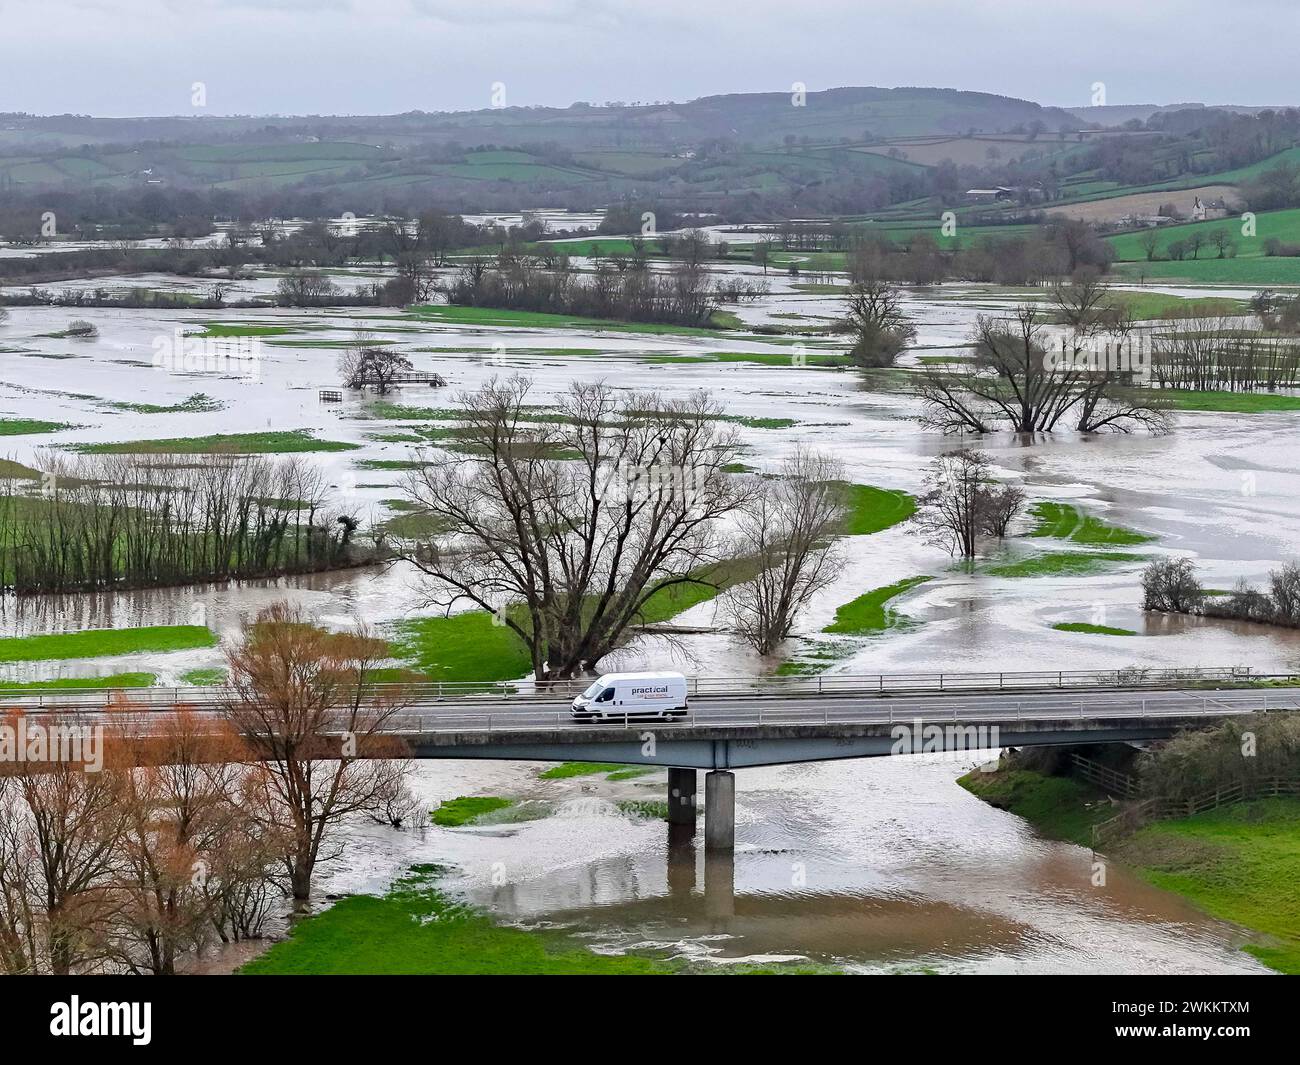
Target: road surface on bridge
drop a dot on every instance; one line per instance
(510, 714)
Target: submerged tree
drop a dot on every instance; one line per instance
(964, 502)
(785, 527)
(566, 526)
(875, 316)
(367, 364)
(1020, 381)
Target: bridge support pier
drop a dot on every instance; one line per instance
(681, 796)
(720, 811)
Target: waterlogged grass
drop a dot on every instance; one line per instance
(1150, 306)
(1230, 402)
(205, 676)
(1096, 630)
(29, 426)
(114, 680)
(16, 471)
(644, 809)
(1240, 863)
(475, 645)
(867, 614)
(534, 319)
(1063, 564)
(96, 643)
(215, 330)
(1065, 522)
(415, 929)
(870, 612)
(613, 771)
(198, 403)
(467, 646)
(465, 810)
(270, 442)
(872, 509)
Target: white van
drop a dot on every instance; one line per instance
(620, 695)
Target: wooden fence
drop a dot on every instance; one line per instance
(1141, 813)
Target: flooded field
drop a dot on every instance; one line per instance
(879, 865)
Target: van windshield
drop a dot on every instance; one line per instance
(593, 691)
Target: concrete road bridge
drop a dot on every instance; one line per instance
(731, 725)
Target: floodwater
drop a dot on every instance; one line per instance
(879, 865)
(871, 865)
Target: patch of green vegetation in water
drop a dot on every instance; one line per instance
(1062, 564)
(1065, 522)
(1096, 630)
(97, 643)
(454, 813)
(269, 442)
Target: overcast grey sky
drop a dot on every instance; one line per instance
(141, 57)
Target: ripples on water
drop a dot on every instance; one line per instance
(873, 865)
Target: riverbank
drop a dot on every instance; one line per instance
(1240, 863)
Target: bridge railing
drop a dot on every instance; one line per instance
(837, 684)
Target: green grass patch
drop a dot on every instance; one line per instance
(1062, 564)
(537, 320)
(1241, 863)
(453, 813)
(1096, 630)
(1229, 402)
(96, 643)
(269, 442)
(26, 426)
(870, 612)
(215, 330)
(199, 403)
(1062, 521)
(466, 646)
(566, 770)
(872, 509)
(16, 471)
(416, 929)
(205, 676)
(114, 680)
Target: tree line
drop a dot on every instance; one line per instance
(133, 521)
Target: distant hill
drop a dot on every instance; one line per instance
(761, 119)
(1118, 114)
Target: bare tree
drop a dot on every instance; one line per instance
(963, 502)
(369, 364)
(786, 527)
(567, 526)
(1017, 383)
(305, 702)
(59, 830)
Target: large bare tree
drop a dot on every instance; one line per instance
(786, 528)
(566, 524)
(1024, 381)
